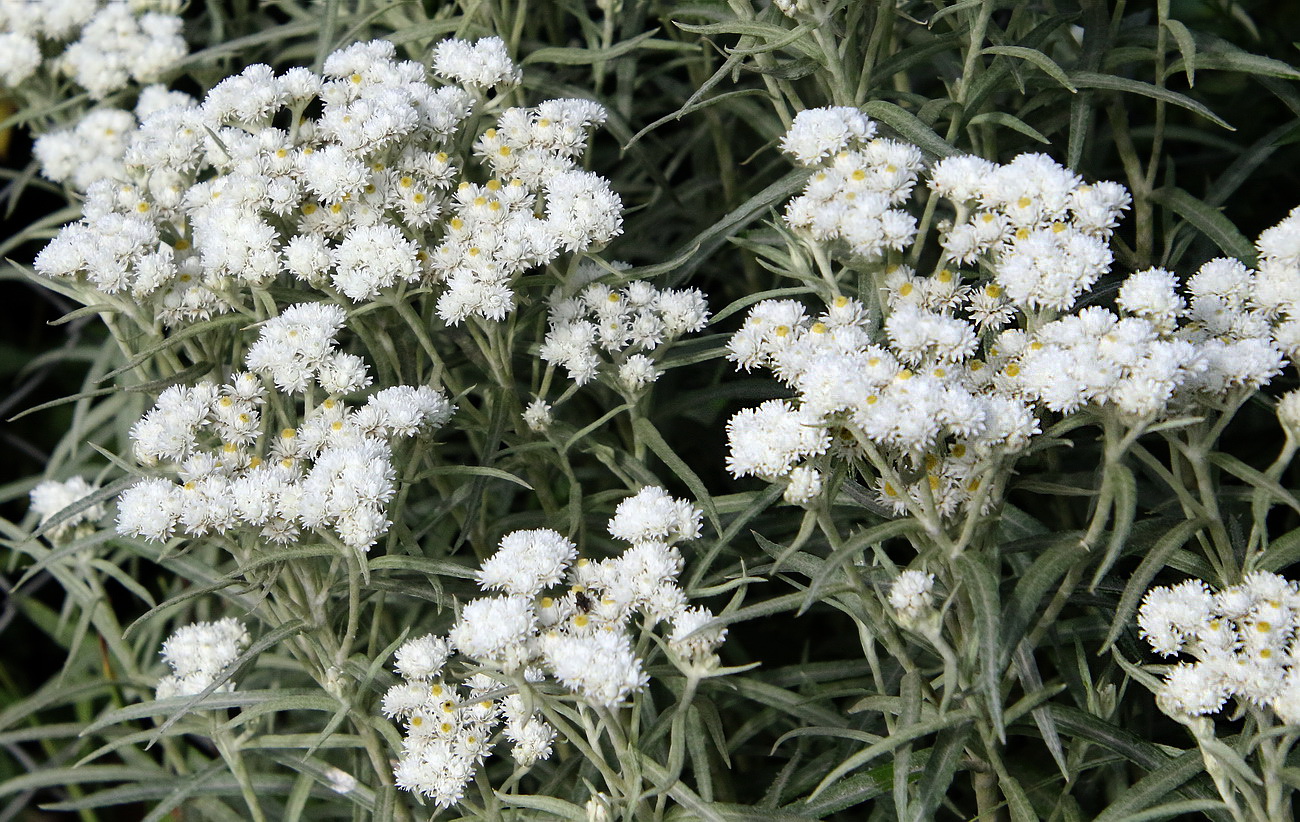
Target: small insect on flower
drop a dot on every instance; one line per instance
(582, 601)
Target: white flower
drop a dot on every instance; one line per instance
(532, 740)
(484, 63)
(421, 659)
(694, 636)
(495, 630)
(600, 666)
(1281, 243)
(1288, 413)
(52, 496)
(20, 56)
(1152, 294)
(768, 441)
(805, 485)
(1192, 690)
(652, 515)
(637, 372)
(149, 509)
(822, 132)
(910, 597)
(404, 411)
(527, 562)
(537, 416)
(91, 150)
(961, 178)
(197, 653)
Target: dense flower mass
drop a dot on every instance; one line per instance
(242, 463)
(970, 360)
(198, 653)
(582, 638)
(628, 324)
(105, 46)
(1243, 638)
(52, 496)
(214, 199)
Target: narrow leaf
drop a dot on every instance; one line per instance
(1153, 787)
(1092, 79)
(1045, 63)
(910, 126)
(1209, 221)
(1151, 565)
(982, 588)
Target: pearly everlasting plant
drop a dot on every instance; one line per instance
(1243, 641)
(925, 398)
(949, 374)
(370, 197)
(198, 653)
(243, 465)
(585, 638)
(103, 46)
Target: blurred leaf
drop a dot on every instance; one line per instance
(1209, 221)
(1045, 63)
(1092, 79)
(1153, 787)
(579, 57)
(1151, 564)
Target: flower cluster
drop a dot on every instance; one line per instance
(920, 402)
(94, 148)
(51, 497)
(197, 654)
(449, 726)
(630, 324)
(580, 637)
(860, 178)
(105, 46)
(1243, 638)
(330, 469)
(910, 596)
(367, 197)
(969, 360)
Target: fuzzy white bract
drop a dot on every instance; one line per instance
(215, 198)
(330, 469)
(52, 496)
(1243, 639)
(583, 637)
(198, 653)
